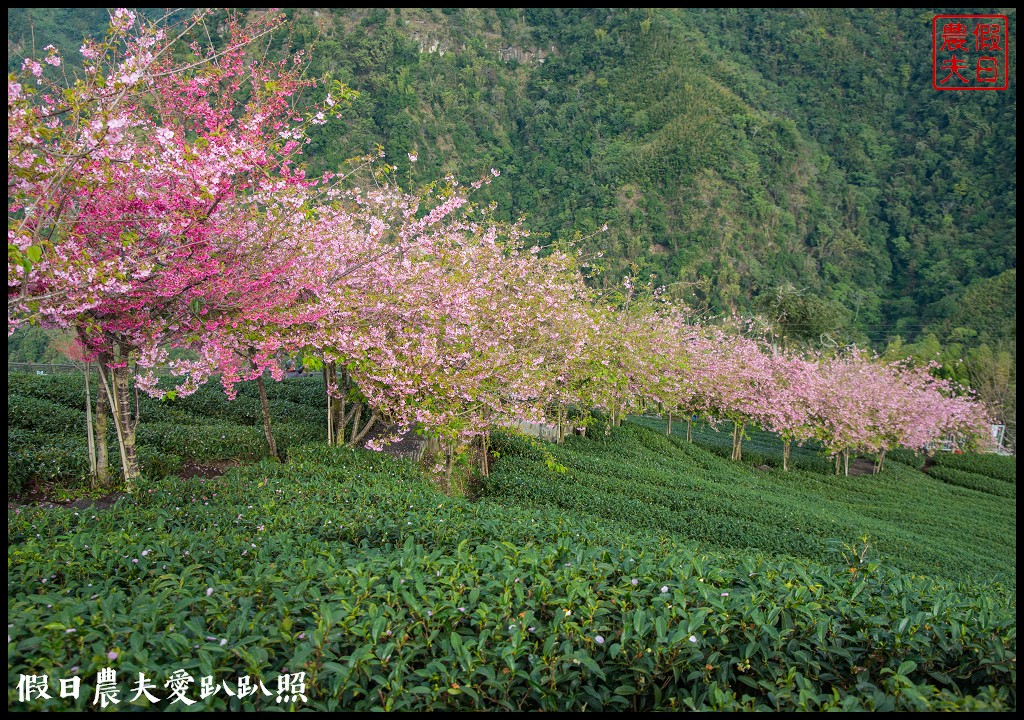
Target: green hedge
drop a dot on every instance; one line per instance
(43, 457)
(999, 467)
(43, 415)
(974, 481)
(67, 389)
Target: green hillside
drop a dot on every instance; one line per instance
(729, 151)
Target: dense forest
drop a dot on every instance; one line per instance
(796, 164)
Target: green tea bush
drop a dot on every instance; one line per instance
(974, 481)
(286, 411)
(305, 391)
(1000, 467)
(157, 464)
(210, 402)
(906, 457)
(292, 400)
(47, 442)
(759, 447)
(223, 441)
(42, 415)
(638, 479)
(349, 567)
(43, 457)
(67, 389)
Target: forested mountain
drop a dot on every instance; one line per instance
(797, 163)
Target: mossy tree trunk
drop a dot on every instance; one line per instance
(89, 429)
(100, 426)
(118, 391)
(737, 441)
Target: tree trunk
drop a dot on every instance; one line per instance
(838, 455)
(561, 425)
(846, 462)
(689, 428)
(737, 441)
(335, 405)
(117, 396)
(668, 427)
(340, 420)
(102, 413)
(330, 413)
(122, 395)
(265, 407)
(785, 455)
(362, 433)
(90, 437)
(881, 459)
(355, 425)
(485, 465)
(449, 461)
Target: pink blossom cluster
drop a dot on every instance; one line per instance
(152, 209)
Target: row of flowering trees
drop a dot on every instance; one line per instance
(157, 201)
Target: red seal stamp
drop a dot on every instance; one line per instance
(970, 52)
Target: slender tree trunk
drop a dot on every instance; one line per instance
(668, 427)
(117, 397)
(362, 433)
(90, 437)
(735, 440)
(485, 465)
(339, 406)
(102, 413)
(838, 455)
(265, 407)
(561, 425)
(881, 459)
(846, 462)
(355, 424)
(122, 395)
(739, 444)
(449, 461)
(689, 428)
(330, 413)
(785, 455)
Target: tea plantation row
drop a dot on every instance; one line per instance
(46, 427)
(952, 523)
(628, 571)
(349, 567)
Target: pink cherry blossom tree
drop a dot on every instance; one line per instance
(135, 190)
